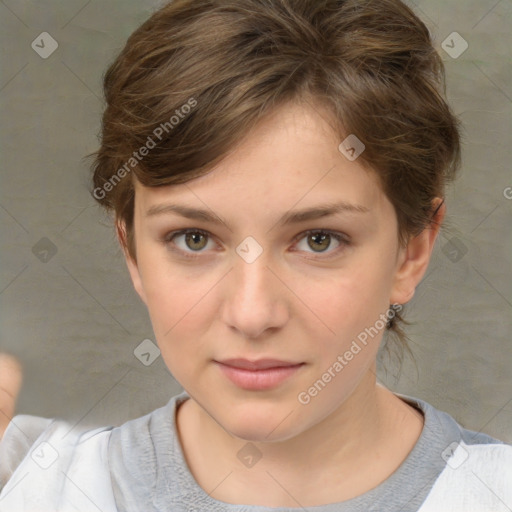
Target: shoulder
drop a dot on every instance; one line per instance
(145, 457)
(476, 469)
(477, 477)
(45, 463)
(22, 432)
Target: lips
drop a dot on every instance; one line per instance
(261, 364)
(260, 375)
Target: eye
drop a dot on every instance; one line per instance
(194, 240)
(322, 240)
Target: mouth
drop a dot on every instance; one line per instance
(258, 375)
(261, 364)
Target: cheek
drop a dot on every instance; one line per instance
(348, 309)
(165, 293)
(181, 309)
(346, 297)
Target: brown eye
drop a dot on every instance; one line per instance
(320, 241)
(187, 242)
(195, 241)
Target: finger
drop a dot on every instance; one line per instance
(10, 385)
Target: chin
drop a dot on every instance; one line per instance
(258, 435)
(249, 427)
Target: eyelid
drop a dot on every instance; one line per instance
(169, 237)
(340, 237)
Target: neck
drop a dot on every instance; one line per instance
(347, 453)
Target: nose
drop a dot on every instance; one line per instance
(255, 299)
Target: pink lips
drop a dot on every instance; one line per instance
(257, 375)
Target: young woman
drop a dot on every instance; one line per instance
(277, 171)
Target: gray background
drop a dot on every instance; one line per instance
(73, 318)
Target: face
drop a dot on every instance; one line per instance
(256, 282)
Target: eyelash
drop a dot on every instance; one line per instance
(339, 237)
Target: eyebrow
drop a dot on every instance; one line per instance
(291, 217)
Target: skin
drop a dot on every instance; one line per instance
(10, 385)
(285, 305)
(294, 302)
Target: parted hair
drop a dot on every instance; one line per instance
(199, 74)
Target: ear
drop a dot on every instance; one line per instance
(133, 268)
(413, 260)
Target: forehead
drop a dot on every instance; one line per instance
(291, 158)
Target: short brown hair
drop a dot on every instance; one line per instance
(371, 63)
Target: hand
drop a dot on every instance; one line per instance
(10, 385)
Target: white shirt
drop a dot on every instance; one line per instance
(140, 467)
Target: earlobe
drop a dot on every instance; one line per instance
(132, 265)
(413, 259)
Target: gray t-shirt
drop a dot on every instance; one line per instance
(140, 467)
